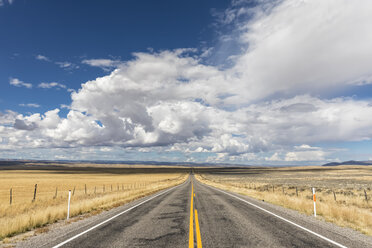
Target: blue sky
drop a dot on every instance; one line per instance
(72, 31)
(199, 81)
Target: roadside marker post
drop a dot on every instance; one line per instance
(314, 198)
(68, 205)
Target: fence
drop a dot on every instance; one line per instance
(343, 196)
(22, 194)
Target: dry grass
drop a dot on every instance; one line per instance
(278, 186)
(104, 191)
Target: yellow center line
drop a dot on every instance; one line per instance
(191, 231)
(198, 237)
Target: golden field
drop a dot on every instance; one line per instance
(105, 189)
(340, 191)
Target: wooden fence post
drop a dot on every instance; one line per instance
(366, 196)
(73, 192)
(283, 189)
(334, 195)
(296, 192)
(55, 195)
(34, 193)
(85, 189)
(11, 196)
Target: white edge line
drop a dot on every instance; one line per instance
(267, 211)
(113, 217)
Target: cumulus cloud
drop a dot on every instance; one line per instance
(274, 157)
(129, 109)
(18, 83)
(321, 49)
(22, 125)
(51, 85)
(263, 103)
(317, 155)
(306, 153)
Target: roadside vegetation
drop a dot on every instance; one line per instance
(343, 194)
(92, 191)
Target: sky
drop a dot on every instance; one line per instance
(257, 82)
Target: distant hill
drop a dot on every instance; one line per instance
(351, 162)
(10, 162)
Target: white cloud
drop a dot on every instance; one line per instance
(305, 156)
(306, 147)
(106, 149)
(65, 106)
(328, 45)
(7, 118)
(64, 64)
(42, 57)
(104, 64)
(129, 108)
(301, 153)
(178, 103)
(18, 83)
(31, 105)
(51, 85)
(274, 157)
(67, 65)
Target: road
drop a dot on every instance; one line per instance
(221, 219)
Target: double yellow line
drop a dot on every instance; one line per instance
(191, 231)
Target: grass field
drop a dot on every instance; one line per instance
(93, 189)
(340, 191)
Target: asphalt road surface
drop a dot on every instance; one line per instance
(196, 215)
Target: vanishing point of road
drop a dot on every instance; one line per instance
(196, 215)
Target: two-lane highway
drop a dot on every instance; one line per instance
(196, 215)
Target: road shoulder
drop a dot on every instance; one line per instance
(343, 235)
(63, 229)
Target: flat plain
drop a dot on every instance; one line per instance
(343, 193)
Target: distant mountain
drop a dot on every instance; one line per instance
(351, 162)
